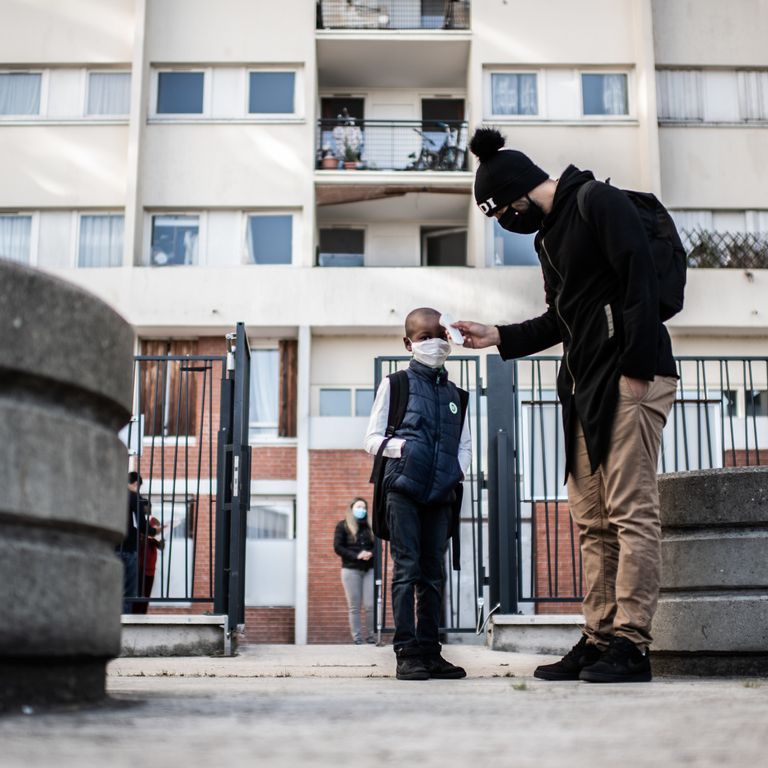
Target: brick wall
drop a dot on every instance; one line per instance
(269, 625)
(274, 463)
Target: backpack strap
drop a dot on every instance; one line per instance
(398, 400)
(581, 198)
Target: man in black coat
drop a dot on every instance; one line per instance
(616, 384)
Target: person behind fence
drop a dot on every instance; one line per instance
(616, 383)
(427, 459)
(353, 543)
(149, 547)
(128, 551)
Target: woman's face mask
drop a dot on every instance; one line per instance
(522, 222)
(431, 352)
(359, 512)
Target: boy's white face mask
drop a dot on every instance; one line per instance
(431, 352)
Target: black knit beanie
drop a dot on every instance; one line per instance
(504, 175)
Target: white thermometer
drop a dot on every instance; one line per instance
(447, 322)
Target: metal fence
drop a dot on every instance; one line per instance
(719, 419)
(735, 250)
(392, 145)
(393, 14)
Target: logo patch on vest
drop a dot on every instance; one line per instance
(454, 408)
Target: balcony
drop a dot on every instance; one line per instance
(393, 14)
(392, 145)
(730, 250)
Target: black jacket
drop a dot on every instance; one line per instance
(138, 512)
(602, 299)
(348, 547)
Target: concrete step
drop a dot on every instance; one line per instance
(550, 634)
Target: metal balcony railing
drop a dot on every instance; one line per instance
(392, 145)
(735, 250)
(393, 14)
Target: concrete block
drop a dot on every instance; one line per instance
(534, 634)
(173, 635)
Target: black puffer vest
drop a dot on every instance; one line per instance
(428, 469)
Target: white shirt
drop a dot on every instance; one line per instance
(377, 427)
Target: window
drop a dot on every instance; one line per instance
(270, 518)
(443, 247)
(514, 94)
(180, 93)
(756, 402)
(335, 402)
(20, 93)
(264, 394)
(271, 92)
(363, 402)
(270, 239)
(511, 249)
(730, 401)
(101, 241)
(341, 247)
(753, 95)
(16, 238)
(604, 94)
(174, 239)
(109, 93)
(679, 95)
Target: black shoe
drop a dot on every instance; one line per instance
(623, 662)
(581, 655)
(411, 668)
(441, 669)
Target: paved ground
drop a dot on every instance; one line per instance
(339, 705)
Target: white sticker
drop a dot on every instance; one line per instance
(454, 408)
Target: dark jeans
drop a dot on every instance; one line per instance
(130, 577)
(419, 536)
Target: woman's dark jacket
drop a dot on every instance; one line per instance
(348, 547)
(602, 299)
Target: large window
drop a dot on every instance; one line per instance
(441, 247)
(264, 394)
(101, 240)
(271, 518)
(514, 93)
(109, 93)
(174, 239)
(604, 94)
(338, 401)
(20, 93)
(16, 238)
(341, 247)
(180, 93)
(270, 239)
(271, 92)
(510, 249)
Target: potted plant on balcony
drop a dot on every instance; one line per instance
(328, 161)
(348, 138)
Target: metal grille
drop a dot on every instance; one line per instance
(393, 14)
(735, 250)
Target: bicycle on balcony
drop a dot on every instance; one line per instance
(449, 156)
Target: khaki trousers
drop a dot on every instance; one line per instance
(617, 512)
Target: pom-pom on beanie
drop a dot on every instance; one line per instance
(504, 175)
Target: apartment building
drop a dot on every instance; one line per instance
(302, 166)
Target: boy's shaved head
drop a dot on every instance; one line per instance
(418, 317)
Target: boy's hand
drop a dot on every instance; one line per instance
(477, 335)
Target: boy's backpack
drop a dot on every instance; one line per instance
(399, 392)
(666, 247)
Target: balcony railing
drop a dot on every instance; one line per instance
(392, 145)
(393, 14)
(735, 250)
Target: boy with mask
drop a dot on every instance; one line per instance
(429, 455)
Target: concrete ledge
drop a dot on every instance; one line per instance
(551, 634)
(174, 635)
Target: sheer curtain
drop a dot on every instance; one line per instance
(101, 241)
(514, 94)
(264, 391)
(615, 94)
(19, 93)
(109, 93)
(679, 94)
(753, 95)
(16, 238)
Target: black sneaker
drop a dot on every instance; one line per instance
(441, 669)
(623, 662)
(581, 655)
(411, 668)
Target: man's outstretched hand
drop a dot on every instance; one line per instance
(477, 335)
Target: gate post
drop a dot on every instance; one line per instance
(503, 490)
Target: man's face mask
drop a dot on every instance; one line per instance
(431, 352)
(522, 222)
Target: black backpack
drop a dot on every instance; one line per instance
(399, 392)
(667, 250)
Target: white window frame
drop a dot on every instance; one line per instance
(43, 107)
(293, 213)
(34, 233)
(202, 243)
(77, 215)
(123, 117)
(272, 117)
(261, 499)
(630, 115)
(154, 91)
(541, 100)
